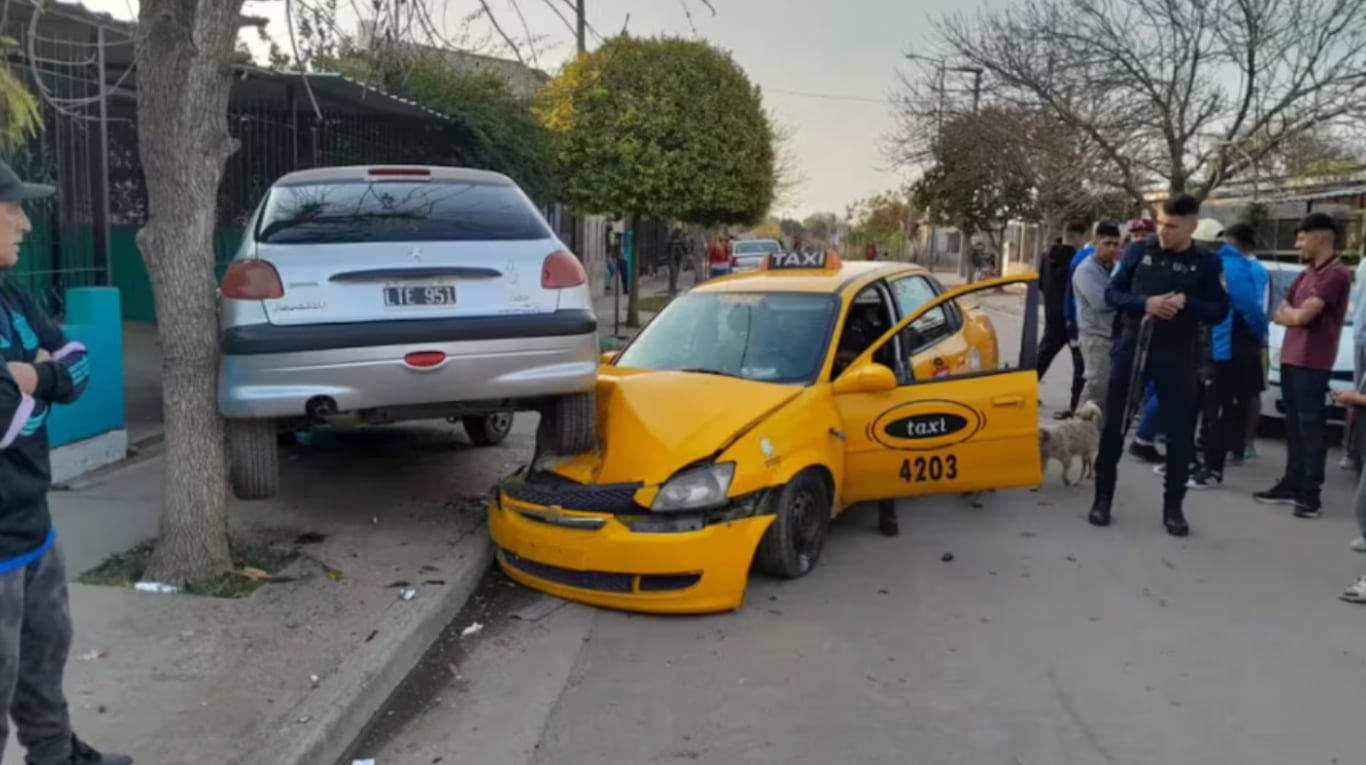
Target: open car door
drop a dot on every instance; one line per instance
(959, 412)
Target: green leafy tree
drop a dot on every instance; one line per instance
(19, 116)
(661, 129)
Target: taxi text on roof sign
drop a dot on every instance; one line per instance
(792, 261)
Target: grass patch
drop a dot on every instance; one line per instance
(654, 303)
(127, 568)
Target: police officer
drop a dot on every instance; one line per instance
(1177, 285)
(39, 367)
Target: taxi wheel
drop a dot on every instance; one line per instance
(792, 545)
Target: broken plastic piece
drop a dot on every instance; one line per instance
(253, 573)
(159, 587)
(408, 593)
(93, 655)
(474, 629)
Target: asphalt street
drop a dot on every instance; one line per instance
(1043, 641)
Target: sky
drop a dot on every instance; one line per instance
(827, 69)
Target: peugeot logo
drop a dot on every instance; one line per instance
(415, 255)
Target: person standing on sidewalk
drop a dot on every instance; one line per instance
(1353, 458)
(41, 368)
(1312, 313)
(1236, 380)
(718, 258)
(1055, 270)
(1175, 286)
(1095, 318)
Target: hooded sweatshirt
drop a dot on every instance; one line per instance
(1244, 330)
(25, 471)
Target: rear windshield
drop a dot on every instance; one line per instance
(398, 211)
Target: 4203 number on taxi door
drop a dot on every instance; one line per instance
(928, 469)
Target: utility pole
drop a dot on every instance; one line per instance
(582, 22)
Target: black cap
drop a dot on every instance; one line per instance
(12, 189)
(1318, 222)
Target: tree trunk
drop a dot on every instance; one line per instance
(634, 261)
(184, 77)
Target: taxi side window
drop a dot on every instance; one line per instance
(911, 292)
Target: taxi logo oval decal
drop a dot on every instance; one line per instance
(926, 425)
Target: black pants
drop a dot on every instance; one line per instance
(1229, 398)
(1305, 392)
(35, 637)
(1173, 374)
(1054, 340)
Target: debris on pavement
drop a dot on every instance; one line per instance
(541, 608)
(314, 679)
(474, 629)
(408, 593)
(157, 587)
(946, 557)
(253, 573)
(310, 538)
(370, 761)
(93, 655)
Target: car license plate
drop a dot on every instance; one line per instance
(429, 295)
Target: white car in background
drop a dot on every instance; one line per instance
(1279, 278)
(749, 254)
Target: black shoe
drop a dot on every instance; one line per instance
(1175, 523)
(1204, 478)
(1146, 452)
(1307, 510)
(1100, 511)
(886, 520)
(1280, 494)
(83, 754)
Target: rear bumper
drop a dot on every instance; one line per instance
(358, 376)
(690, 572)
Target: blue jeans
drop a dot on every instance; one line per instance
(1305, 392)
(1149, 425)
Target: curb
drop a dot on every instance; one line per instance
(337, 712)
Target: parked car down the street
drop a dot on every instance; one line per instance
(812, 385)
(1279, 278)
(367, 295)
(749, 254)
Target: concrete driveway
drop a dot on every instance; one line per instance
(1043, 642)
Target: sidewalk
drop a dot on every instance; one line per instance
(290, 673)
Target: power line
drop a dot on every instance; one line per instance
(830, 96)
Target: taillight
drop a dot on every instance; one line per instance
(401, 172)
(252, 280)
(425, 358)
(561, 269)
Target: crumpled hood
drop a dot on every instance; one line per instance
(650, 423)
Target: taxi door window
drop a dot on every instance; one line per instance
(870, 315)
(911, 293)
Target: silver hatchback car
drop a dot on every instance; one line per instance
(366, 295)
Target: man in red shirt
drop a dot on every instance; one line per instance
(718, 257)
(1312, 314)
(870, 251)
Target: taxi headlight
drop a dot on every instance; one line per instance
(696, 489)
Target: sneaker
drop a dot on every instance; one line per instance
(1162, 469)
(1146, 452)
(1307, 510)
(1356, 593)
(1250, 453)
(83, 754)
(1347, 463)
(1205, 479)
(1280, 494)
(1359, 544)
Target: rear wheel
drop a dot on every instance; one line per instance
(254, 457)
(569, 424)
(488, 430)
(793, 543)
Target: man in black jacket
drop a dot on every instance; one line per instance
(1055, 270)
(40, 368)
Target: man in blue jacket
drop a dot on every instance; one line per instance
(1237, 344)
(40, 368)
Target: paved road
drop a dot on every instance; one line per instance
(1043, 642)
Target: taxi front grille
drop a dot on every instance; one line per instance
(601, 581)
(607, 498)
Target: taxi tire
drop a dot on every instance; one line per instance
(569, 424)
(254, 457)
(777, 554)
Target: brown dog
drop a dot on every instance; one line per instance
(1077, 437)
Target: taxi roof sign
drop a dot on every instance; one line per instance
(802, 261)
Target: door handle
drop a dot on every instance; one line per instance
(1004, 401)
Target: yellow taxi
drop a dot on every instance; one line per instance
(754, 409)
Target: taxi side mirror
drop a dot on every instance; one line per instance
(608, 357)
(869, 378)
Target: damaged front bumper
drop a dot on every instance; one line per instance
(633, 560)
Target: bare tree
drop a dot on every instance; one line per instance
(1191, 93)
(184, 52)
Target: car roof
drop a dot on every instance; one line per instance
(361, 172)
(829, 281)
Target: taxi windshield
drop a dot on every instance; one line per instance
(769, 336)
